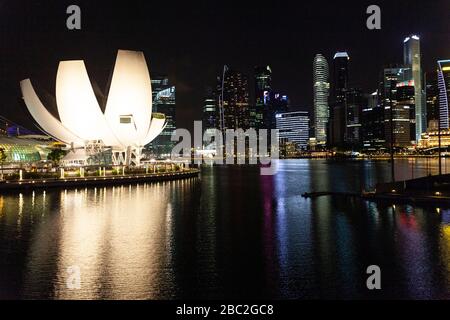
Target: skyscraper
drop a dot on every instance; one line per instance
(404, 109)
(373, 124)
(210, 113)
(412, 60)
(444, 92)
(263, 85)
(338, 119)
(321, 88)
(163, 95)
(210, 119)
(262, 113)
(294, 127)
(233, 99)
(355, 102)
(432, 94)
(397, 116)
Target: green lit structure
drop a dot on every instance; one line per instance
(22, 150)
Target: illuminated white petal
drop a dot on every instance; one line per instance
(45, 119)
(156, 127)
(77, 105)
(129, 106)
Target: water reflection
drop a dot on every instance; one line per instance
(232, 233)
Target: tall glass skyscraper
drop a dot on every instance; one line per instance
(210, 121)
(321, 88)
(260, 112)
(432, 92)
(338, 119)
(210, 113)
(373, 124)
(444, 92)
(263, 85)
(163, 95)
(397, 98)
(411, 59)
(355, 104)
(233, 97)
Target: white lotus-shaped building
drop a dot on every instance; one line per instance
(127, 123)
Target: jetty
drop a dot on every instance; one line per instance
(425, 190)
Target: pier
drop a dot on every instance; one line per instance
(424, 190)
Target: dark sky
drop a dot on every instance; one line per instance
(191, 40)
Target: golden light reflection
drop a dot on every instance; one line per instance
(1, 205)
(118, 237)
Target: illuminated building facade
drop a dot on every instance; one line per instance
(210, 113)
(444, 92)
(164, 102)
(22, 150)
(261, 111)
(321, 88)
(412, 60)
(373, 132)
(263, 85)
(432, 96)
(233, 93)
(355, 102)
(293, 126)
(210, 120)
(430, 139)
(405, 109)
(338, 125)
(397, 117)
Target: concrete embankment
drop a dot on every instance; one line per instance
(32, 184)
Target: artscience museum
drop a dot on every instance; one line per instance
(127, 123)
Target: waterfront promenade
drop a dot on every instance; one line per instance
(74, 182)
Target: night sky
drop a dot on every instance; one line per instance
(191, 40)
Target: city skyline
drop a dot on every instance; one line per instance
(228, 157)
(289, 59)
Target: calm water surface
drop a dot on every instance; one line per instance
(230, 234)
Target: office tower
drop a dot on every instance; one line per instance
(397, 117)
(338, 109)
(163, 95)
(373, 135)
(278, 103)
(321, 88)
(444, 92)
(293, 127)
(404, 109)
(259, 111)
(263, 85)
(412, 60)
(210, 117)
(233, 100)
(355, 101)
(432, 94)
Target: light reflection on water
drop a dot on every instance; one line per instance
(232, 233)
